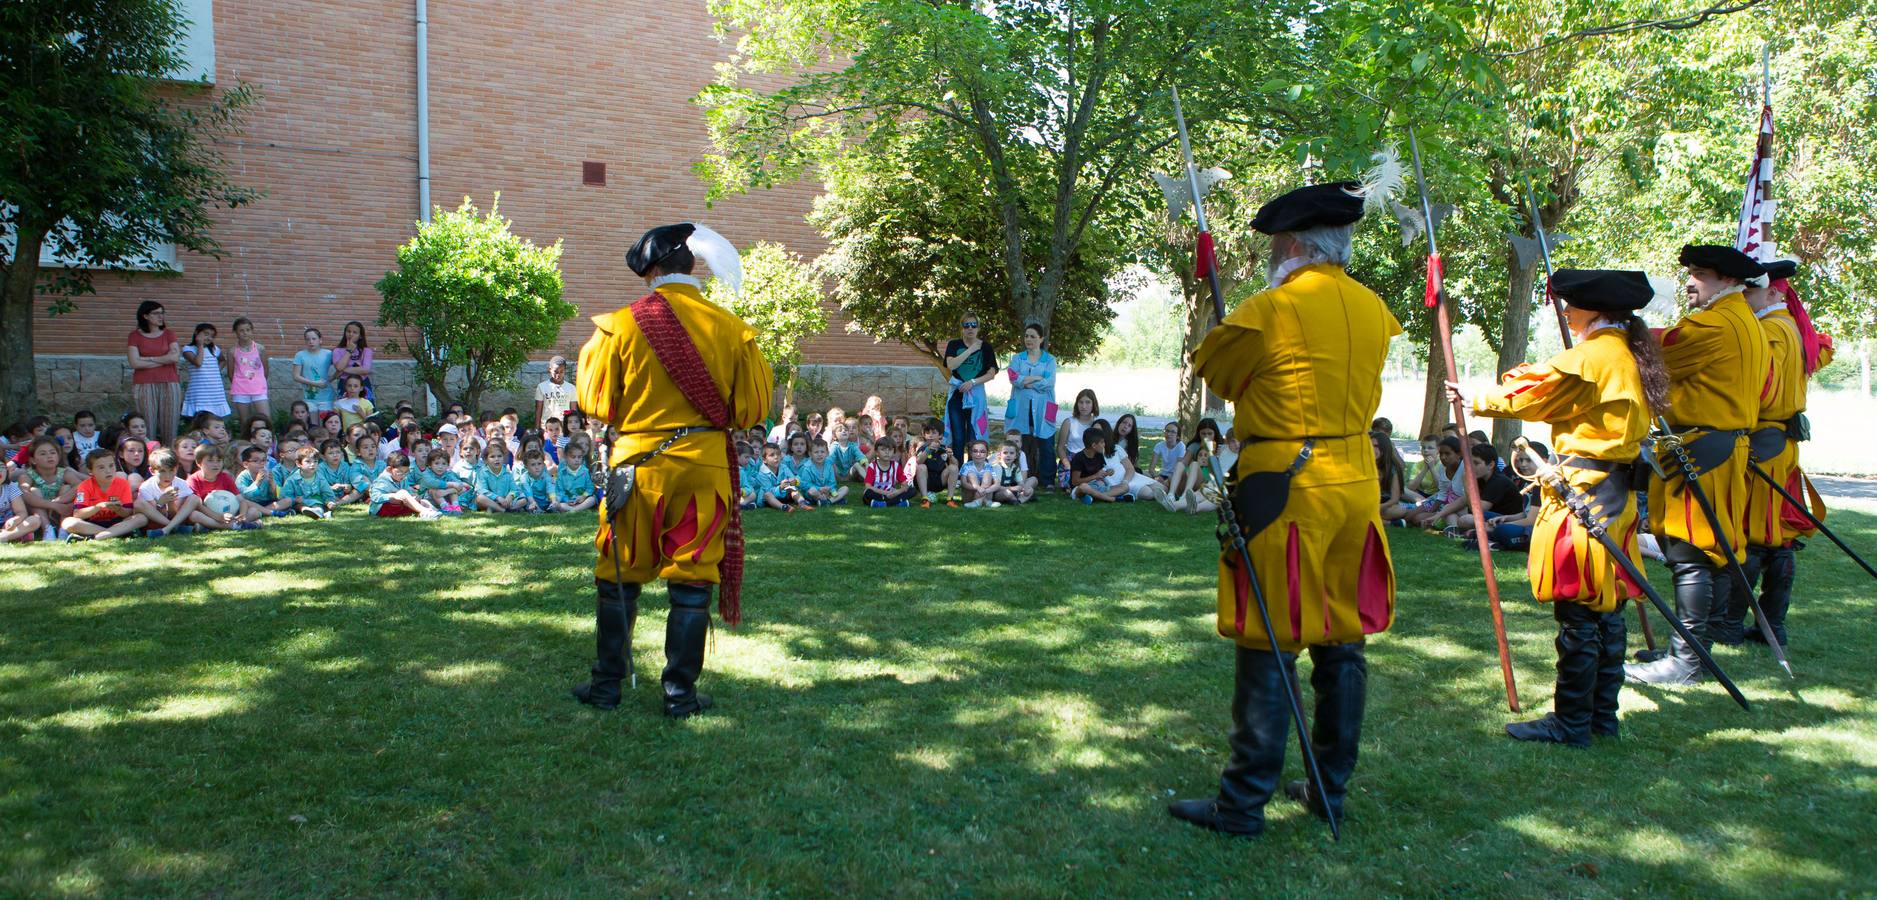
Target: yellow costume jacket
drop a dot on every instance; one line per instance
(1592, 397)
(1304, 360)
(1769, 521)
(681, 502)
(1719, 369)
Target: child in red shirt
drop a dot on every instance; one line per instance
(103, 507)
(211, 476)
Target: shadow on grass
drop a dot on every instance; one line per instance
(935, 701)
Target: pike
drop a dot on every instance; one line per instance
(1435, 299)
(1228, 518)
(1666, 437)
(1575, 501)
(1557, 304)
(1807, 513)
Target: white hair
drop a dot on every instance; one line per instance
(1326, 243)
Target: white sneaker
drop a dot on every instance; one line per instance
(974, 504)
(994, 504)
(428, 514)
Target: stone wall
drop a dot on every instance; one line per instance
(68, 383)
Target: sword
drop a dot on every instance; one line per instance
(1807, 513)
(1228, 517)
(1435, 298)
(612, 533)
(1579, 506)
(1666, 437)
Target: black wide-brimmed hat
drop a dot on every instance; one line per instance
(1781, 268)
(655, 245)
(1603, 290)
(1315, 206)
(1725, 260)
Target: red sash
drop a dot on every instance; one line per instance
(678, 354)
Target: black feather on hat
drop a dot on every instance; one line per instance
(1318, 205)
(1603, 290)
(1781, 268)
(1725, 260)
(655, 245)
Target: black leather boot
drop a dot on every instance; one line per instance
(1774, 568)
(1695, 581)
(685, 633)
(1339, 676)
(1613, 641)
(614, 611)
(1260, 726)
(1580, 649)
(1726, 622)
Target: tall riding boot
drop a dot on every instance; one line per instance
(1695, 581)
(1778, 567)
(1726, 625)
(1613, 639)
(1580, 649)
(614, 612)
(685, 633)
(1339, 676)
(1260, 726)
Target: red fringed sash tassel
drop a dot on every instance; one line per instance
(678, 354)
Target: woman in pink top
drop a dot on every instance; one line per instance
(352, 357)
(155, 386)
(248, 386)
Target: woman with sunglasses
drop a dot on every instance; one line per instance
(972, 363)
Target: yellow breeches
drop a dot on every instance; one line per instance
(1771, 521)
(1566, 564)
(1675, 513)
(1324, 567)
(673, 526)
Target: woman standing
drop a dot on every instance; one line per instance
(352, 357)
(972, 364)
(1033, 403)
(1598, 397)
(1086, 410)
(207, 366)
(155, 386)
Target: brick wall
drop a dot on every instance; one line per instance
(520, 96)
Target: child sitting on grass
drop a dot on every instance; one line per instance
(495, 484)
(365, 466)
(103, 506)
(16, 522)
(336, 474)
(886, 478)
(211, 476)
(819, 480)
(748, 471)
(310, 495)
(936, 465)
(977, 478)
(257, 483)
(468, 459)
(796, 457)
(166, 500)
(1014, 482)
(1167, 456)
(45, 486)
(393, 494)
(773, 489)
(446, 490)
(850, 461)
(574, 482)
(534, 485)
(1090, 476)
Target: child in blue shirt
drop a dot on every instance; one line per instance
(749, 473)
(365, 466)
(534, 485)
(336, 474)
(445, 490)
(494, 484)
(258, 484)
(310, 495)
(797, 456)
(772, 489)
(392, 493)
(574, 482)
(819, 479)
(1167, 456)
(978, 478)
(850, 461)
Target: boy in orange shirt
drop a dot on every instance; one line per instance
(103, 507)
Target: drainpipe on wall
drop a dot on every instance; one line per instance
(423, 141)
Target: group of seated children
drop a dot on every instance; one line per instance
(1437, 498)
(74, 483)
(804, 470)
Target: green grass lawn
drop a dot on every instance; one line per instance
(924, 702)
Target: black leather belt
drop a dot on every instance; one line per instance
(1594, 465)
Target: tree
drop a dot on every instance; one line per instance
(781, 299)
(98, 165)
(469, 293)
(914, 245)
(1055, 104)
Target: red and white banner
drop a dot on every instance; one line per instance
(1755, 237)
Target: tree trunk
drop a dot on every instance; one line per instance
(1192, 396)
(19, 385)
(1516, 337)
(1435, 410)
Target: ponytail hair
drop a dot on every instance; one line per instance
(1648, 354)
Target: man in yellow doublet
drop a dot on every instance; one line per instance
(1719, 367)
(1594, 398)
(679, 509)
(1771, 523)
(1302, 363)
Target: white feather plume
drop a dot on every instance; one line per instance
(719, 254)
(1382, 181)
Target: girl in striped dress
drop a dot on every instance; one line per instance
(207, 366)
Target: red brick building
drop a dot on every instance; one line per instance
(522, 99)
